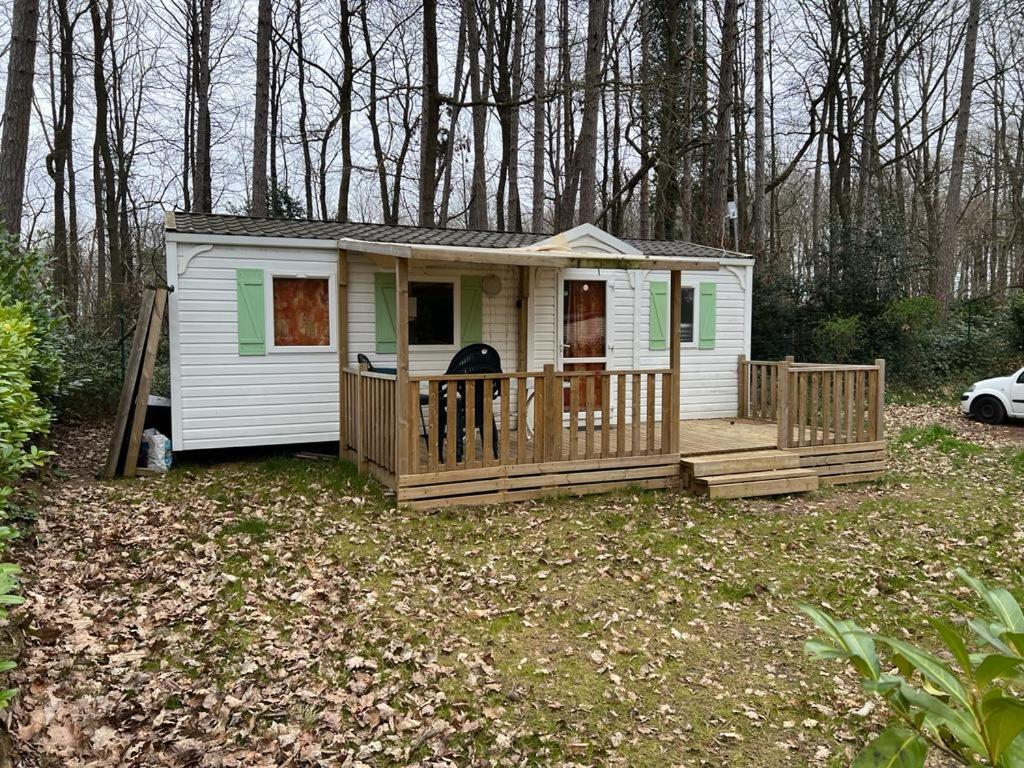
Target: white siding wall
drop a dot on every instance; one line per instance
(709, 376)
(499, 316)
(221, 399)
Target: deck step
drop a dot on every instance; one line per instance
(741, 485)
(730, 463)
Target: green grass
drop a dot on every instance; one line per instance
(941, 438)
(640, 628)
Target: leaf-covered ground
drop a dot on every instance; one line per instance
(278, 611)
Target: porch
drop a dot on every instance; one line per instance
(550, 433)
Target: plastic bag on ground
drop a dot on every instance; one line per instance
(159, 455)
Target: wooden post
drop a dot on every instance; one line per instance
(879, 405)
(742, 391)
(361, 421)
(131, 456)
(552, 407)
(674, 352)
(782, 407)
(402, 382)
(523, 319)
(342, 350)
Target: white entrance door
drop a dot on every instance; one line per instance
(584, 331)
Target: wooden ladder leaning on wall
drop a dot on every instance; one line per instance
(123, 454)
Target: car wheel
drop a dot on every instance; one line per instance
(988, 410)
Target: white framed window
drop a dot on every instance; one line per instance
(300, 312)
(434, 311)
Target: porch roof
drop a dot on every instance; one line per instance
(384, 255)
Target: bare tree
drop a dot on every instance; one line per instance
(258, 206)
(944, 275)
(20, 75)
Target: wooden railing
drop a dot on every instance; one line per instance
(830, 404)
(758, 389)
(370, 420)
(537, 417)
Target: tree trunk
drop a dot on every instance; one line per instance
(201, 174)
(478, 189)
(757, 215)
(17, 112)
(539, 51)
(347, 78)
(944, 275)
(258, 206)
(429, 119)
(720, 180)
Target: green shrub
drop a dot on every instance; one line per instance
(839, 339)
(23, 281)
(1015, 310)
(966, 710)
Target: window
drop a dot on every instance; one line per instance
(688, 314)
(431, 313)
(301, 311)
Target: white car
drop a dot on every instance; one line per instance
(992, 400)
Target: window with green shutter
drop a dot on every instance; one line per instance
(252, 329)
(471, 307)
(658, 315)
(384, 312)
(708, 309)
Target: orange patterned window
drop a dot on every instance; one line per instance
(302, 314)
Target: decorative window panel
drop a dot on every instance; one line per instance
(302, 312)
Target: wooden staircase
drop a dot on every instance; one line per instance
(746, 474)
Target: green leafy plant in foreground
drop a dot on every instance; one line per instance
(965, 710)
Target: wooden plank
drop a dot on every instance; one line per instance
(469, 440)
(535, 481)
(606, 426)
(878, 433)
(848, 400)
(634, 422)
(506, 418)
(859, 411)
(552, 415)
(131, 457)
(130, 383)
(620, 414)
(487, 425)
(840, 458)
(588, 442)
(413, 425)
(764, 488)
(742, 387)
(433, 431)
(342, 348)
(668, 422)
(574, 427)
(822, 450)
(846, 469)
(783, 433)
(856, 477)
(451, 428)
(523, 319)
(521, 428)
(515, 470)
(652, 416)
(750, 477)
(504, 497)
(755, 461)
(801, 408)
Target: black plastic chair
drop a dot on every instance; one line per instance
(424, 399)
(473, 358)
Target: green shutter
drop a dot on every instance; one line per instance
(252, 329)
(658, 315)
(708, 310)
(471, 303)
(384, 312)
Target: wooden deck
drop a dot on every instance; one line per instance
(706, 436)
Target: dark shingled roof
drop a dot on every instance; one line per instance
(221, 224)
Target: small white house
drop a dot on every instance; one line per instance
(255, 335)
